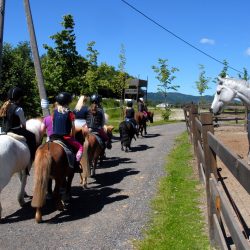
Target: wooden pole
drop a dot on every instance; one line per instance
(37, 64)
(210, 163)
(2, 12)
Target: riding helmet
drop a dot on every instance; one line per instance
(64, 98)
(130, 104)
(95, 98)
(15, 93)
(141, 99)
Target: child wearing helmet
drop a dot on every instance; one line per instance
(14, 119)
(142, 107)
(95, 119)
(64, 125)
(130, 114)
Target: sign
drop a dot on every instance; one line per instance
(131, 91)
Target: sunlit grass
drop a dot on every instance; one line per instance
(177, 221)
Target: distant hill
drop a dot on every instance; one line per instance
(177, 98)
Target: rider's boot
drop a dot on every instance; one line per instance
(77, 168)
(108, 145)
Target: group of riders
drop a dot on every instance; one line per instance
(61, 123)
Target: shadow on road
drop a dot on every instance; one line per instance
(83, 202)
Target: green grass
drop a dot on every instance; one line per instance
(177, 222)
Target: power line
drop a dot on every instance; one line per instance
(178, 37)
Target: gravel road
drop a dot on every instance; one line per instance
(111, 213)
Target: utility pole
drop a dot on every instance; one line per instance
(37, 63)
(2, 11)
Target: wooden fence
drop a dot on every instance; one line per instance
(227, 227)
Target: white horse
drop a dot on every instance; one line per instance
(15, 157)
(226, 91)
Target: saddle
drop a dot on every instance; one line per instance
(98, 138)
(67, 149)
(17, 137)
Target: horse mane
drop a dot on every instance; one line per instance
(238, 81)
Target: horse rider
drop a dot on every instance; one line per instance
(142, 107)
(95, 119)
(14, 119)
(130, 115)
(64, 126)
(81, 107)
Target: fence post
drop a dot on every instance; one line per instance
(210, 165)
(194, 114)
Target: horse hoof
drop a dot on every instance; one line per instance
(38, 217)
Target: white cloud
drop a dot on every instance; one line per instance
(207, 41)
(248, 51)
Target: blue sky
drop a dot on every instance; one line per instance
(219, 28)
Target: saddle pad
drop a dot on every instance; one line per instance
(99, 139)
(17, 137)
(70, 155)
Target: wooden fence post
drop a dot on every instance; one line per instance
(194, 114)
(210, 164)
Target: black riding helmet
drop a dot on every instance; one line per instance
(15, 93)
(95, 98)
(64, 98)
(129, 104)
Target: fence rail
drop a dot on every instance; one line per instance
(227, 227)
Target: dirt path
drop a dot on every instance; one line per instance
(111, 213)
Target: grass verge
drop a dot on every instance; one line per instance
(177, 221)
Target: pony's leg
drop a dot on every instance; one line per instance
(67, 195)
(0, 210)
(23, 179)
(57, 196)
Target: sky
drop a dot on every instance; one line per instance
(220, 29)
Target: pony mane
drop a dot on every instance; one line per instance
(233, 80)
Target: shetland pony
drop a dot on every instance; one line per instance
(51, 163)
(15, 157)
(142, 121)
(95, 152)
(127, 133)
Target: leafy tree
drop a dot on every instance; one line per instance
(91, 77)
(223, 73)
(63, 67)
(165, 75)
(18, 70)
(245, 75)
(202, 83)
(120, 81)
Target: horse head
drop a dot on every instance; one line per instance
(151, 117)
(225, 93)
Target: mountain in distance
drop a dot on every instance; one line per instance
(176, 98)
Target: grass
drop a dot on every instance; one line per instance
(177, 221)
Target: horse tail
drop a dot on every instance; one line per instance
(85, 158)
(42, 166)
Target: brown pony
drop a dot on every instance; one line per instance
(142, 121)
(51, 163)
(95, 152)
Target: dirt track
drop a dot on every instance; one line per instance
(111, 213)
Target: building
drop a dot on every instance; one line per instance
(136, 88)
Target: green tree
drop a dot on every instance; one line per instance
(165, 75)
(18, 70)
(223, 73)
(64, 69)
(202, 83)
(245, 75)
(91, 77)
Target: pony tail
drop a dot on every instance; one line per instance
(3, 109)
(42, 166)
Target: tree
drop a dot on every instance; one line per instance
(18, 70)
(165, 76)
(202, 83)
(64, 68)
(91, 77)
(223, 73)
(245, 75)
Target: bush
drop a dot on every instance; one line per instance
(166, 114)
